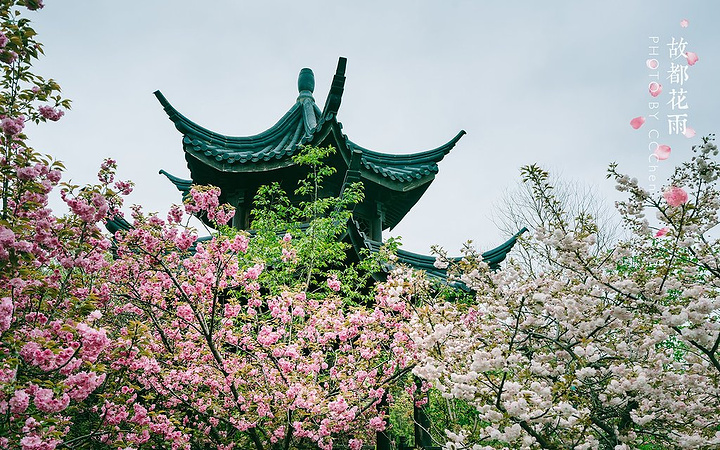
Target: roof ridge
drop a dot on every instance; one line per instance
(187, 126)
(428, 156)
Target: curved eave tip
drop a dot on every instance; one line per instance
(448, 146)
(458, 136)
(182, 123)
(169, 109)
(341, 66)
(161, 98)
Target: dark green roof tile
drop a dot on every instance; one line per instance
(299, 126)
(398, 180)
(181, 184)
(278, 142)
(492, 257)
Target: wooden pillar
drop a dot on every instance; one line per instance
(382, 440)
(376, 226)
(422, 422)
(239, 220)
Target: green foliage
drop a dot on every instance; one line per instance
(316, 225)
(449, 413)
(19, 80)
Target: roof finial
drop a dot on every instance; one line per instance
(332, 103)
(306, 80)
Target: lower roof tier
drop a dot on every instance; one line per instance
(359, 242)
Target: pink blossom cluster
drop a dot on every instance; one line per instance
(34, 5)
(82, 384)
(207, 201)
(252, 358)
(51, 266)
(6, 313)
(675, 196)
(125, 187)
(51, 113)
(333, 283)
(12, 126)
(92, 209)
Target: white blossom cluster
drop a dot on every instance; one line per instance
(615, 349)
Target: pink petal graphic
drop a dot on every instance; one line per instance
(662, 232)
(662, 152)
(675, 196)
(655, 88)
(692, 58)
(637, 122)
(652, 63)
(684, 23)
(689, 132)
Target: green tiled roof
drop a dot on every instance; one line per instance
(304, 123)
(492, 257)
(405, 168)
(181, 184)
(239, 164)
(237, 154)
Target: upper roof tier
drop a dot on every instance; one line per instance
(305, 123)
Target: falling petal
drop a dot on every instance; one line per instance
(637, 122)
(662, 152)
(675, 196)
(684, 23)
(689, 132)
(652, 63)
(692, 58)
(662, 232)
(655, 88)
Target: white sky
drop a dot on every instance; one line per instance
(549, 82)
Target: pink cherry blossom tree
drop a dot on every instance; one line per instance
(52, 346)
(254, 342)
(153, 338)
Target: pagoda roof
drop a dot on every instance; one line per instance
(241, 154)
(305, 123)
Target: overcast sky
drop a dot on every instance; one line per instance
(549, 82)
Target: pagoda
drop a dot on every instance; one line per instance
(393, 183)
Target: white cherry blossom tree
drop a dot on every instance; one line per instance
(615, 349)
